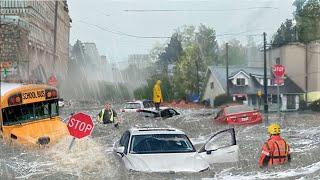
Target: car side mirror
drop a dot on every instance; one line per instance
(120, 150)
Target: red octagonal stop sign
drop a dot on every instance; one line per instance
(278, 70)
(80, 125)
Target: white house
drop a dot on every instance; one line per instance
(246, 83)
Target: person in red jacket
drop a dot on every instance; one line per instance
(276, 150)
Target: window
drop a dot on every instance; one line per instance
(30, 112)
(241, 81)
(220, 140)
(211, 85)
(160, 143)
(278, 60)
(132, 106)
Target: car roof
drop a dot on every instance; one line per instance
(134, 102)
(154, 130)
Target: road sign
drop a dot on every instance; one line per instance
(52, 81)
(278, 70)
(80, 125)
(278, 81)
(259, 93)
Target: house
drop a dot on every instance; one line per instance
(302, 65)
(245, 83)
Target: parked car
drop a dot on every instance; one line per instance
(239, 114)
(164, 112)
(134, 106)
(170, 150)
(61, 103)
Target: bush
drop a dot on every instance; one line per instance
(303, 105)
(222, 99)
(315, 105)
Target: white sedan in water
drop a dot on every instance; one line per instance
(170, 150)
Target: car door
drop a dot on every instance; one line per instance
(221, 147)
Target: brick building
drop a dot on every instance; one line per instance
(34, 38)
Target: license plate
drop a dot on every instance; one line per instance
(245, 119)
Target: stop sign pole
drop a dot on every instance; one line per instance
(79, 125)
(278, 71)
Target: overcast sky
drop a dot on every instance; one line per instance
(110, 26)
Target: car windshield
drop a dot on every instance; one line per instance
(29, 112)
(238, 109)
(160, 143)
(132, 106)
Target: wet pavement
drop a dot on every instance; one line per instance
(92, 158)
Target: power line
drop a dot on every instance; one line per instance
(122, 33)
(159, 37)
(198, 10)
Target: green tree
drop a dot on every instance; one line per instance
(171, 53)
(307, 16)
(189, 74)
(285, 34)
(206, 38)
(236, 53)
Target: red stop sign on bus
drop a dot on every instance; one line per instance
(278, 70)
(80, 125)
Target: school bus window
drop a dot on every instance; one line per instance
(29, 112)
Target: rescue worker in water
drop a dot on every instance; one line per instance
(157, 95)
(108, 115)
(276, 150)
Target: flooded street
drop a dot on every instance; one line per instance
(93, 157)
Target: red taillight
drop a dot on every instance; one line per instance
(255, 113)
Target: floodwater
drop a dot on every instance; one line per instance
(92, 158)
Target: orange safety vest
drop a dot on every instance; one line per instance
(275, 151)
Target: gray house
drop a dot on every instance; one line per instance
(245, 83)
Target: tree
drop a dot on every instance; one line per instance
(307, 16)
(188, 77)
(206, 38)
(285, 34)
(171, 53)
(236, 54)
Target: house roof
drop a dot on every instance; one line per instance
(254, 85)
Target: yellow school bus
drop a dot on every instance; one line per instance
(30, 114)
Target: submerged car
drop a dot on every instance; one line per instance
(170, 150)
(239, 114)
(164, 112)
(135, 106)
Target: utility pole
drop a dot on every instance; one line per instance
(55, 34)
(227, 67)
(265, 81)
(306, 77)
(197, 67)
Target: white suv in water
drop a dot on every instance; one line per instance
(170, 150)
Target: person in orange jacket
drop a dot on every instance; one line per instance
(157, 95)
(276, 150)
